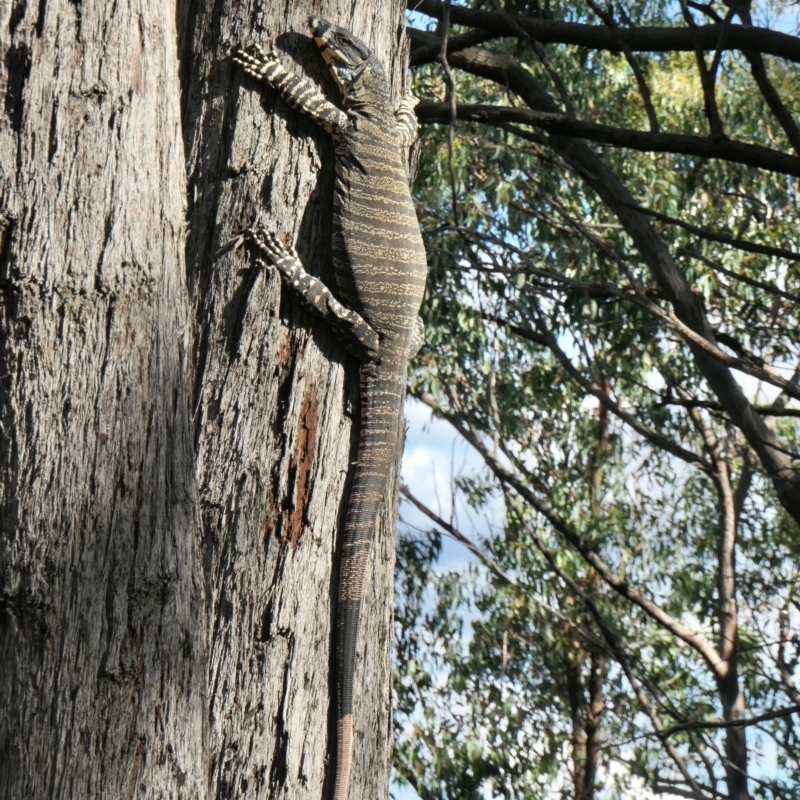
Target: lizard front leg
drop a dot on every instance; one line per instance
(356, 334)
(297, 90)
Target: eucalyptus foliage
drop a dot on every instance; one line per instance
(643, 536)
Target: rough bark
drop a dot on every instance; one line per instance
(174, 433)
(276, 408)
(101, 605)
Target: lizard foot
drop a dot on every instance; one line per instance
(284, 258)
(259, 63)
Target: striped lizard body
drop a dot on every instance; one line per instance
(380, 269)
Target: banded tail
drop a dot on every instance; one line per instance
(383, 388)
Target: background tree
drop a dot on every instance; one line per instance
(612, 221)
(175, 436)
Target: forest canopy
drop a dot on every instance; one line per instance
(609, 195)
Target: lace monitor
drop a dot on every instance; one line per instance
(380, 269)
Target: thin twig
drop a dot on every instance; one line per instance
(644, 91)
(450, 97)
(732, 241)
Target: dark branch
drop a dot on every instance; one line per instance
(767, 411)
(768, 91)
(739, 244)
(773, 100)
(599, 37)
(545, 337)
(641, 598)
(689, 314)
(644, 91)
(426, 53)
(456, 534)
(731, 723)
(717, 267)
(708, 76)
(646, 141)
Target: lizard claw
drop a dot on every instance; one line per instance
(270, 54)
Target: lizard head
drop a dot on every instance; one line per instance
(354, 67)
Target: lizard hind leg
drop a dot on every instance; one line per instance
(356, 334)
(417, 337)
(407, 119)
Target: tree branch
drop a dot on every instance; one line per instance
(732, 241)
(599, 37)
(767, 411)
(726, 546)
(428, 47)
(751, 155)
(732, 723)
(617, 653)
(773, 100)
(708, 76)
(592, 388)
(717, 666)
(768, 91)
(543, 58)
(717, 267)
(608, 19)
(689, 311)
(489, 563)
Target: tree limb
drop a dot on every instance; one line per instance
(608, 19)
(617, 652)
(456, 534)
(599, 37)
(752, 155)
(592, 388)
(688, 307)
(698, 643)
(768, 91)
(732, 241)
(732, 723)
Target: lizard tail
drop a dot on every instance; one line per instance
(383, 387)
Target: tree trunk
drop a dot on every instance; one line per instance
(102, 618)
(176, 433)
(733, 707)
(276, 399)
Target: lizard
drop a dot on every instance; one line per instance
(380, 271)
